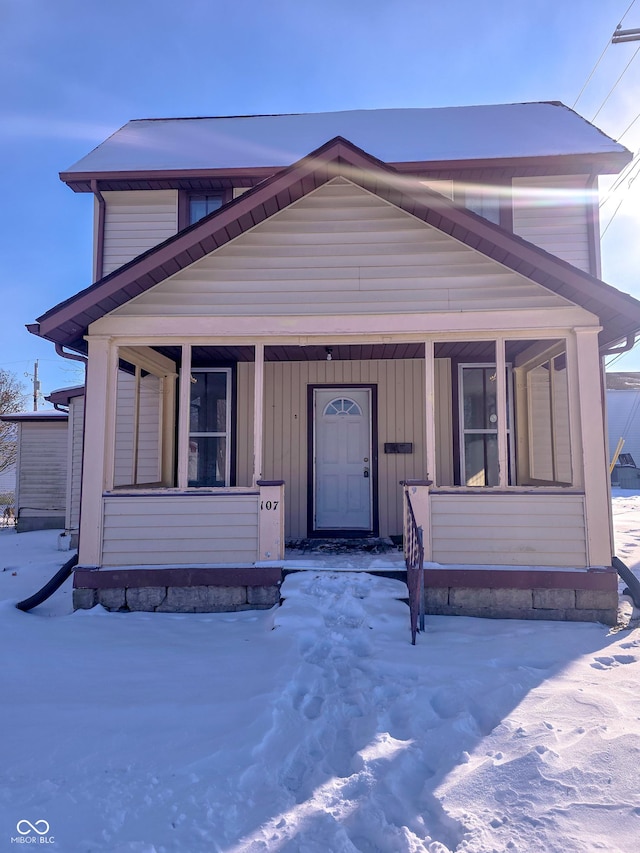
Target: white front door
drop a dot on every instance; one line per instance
(342, 457)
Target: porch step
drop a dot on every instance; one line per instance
(377, 556)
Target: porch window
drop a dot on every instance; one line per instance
(542, 412)
(478, 418)
(210, 427)
(514, 432)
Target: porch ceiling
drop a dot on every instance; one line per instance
(202, 356)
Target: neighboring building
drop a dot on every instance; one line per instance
(7, 493)
(623, 414)
(41, 470)
(369, 297)
(71, 401)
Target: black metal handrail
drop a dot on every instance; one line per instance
(414, 561)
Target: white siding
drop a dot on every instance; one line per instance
(340, 250)
(561, 425)
(552, 212)
(540, 435)
(76, 433)
(136, 221)
(123, 454)
(508, 529)
(176, 530)
(548, 427)
(43, 468)
(149, 430)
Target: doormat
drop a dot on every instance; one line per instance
(342, 546)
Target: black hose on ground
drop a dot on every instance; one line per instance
(629, 578)
(50, 587)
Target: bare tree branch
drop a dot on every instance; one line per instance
(13, 398)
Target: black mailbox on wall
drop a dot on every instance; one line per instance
(398, 447)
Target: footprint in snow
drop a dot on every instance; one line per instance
(607, 662)
(313, 707)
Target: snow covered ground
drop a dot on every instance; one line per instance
(315, 727)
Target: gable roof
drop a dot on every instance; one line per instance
(266, 143)
(67, 322)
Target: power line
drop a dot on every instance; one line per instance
(630, 181)
(622, 177)
(635, 53)
(600, 58)
(628, 127)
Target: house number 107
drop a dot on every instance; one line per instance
(269, 504)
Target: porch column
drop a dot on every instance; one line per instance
(271, 520)
(184, 402)
(258, 411)
(99, 431)
(594, 456)
(430, 412)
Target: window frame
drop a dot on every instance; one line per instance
(228, 434)
(509, 427)
(184, 202)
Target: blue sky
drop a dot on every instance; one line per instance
(74, 71)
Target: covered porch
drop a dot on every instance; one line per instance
(214, 450)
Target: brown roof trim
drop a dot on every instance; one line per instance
(34, 417)
(62, 396)
(607, 163)
(67, 322)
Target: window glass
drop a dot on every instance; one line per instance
(480, 421)
(209, 427)
(203, 205)
(484, 202)
(342, 407)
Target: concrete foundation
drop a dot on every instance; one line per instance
(177, 591)
(569, 605)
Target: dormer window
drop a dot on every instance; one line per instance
(202, 205)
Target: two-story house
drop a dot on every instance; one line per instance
(291, 314)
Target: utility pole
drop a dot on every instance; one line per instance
(621, 35)
(36, 386)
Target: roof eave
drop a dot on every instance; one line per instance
(67, 322)
(601, 163)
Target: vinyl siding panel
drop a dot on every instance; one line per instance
(549, 427)
(400, 415)
(43, 469)
(123, 454)
(136, 221)
(244, 424)
(166, 530)
(149, 430)
(552, 212)
(340, 250)
(444, 423)
(508, 529)
(76, 436)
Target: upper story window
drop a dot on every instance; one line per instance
(484, 201)
(202, 205)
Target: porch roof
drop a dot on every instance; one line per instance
(67, 322)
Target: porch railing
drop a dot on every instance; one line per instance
(414, 561)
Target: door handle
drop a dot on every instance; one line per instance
(365, 473)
